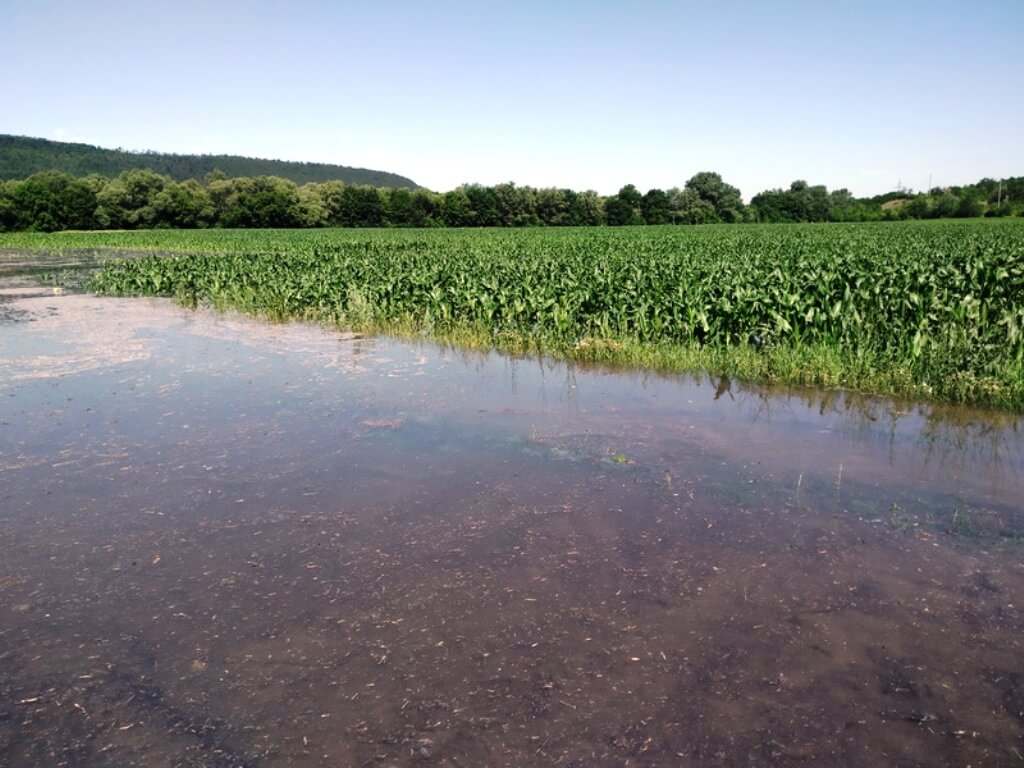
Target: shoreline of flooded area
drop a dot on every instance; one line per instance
(233, 543)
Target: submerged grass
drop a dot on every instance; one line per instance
(924, 310)
(811, 366)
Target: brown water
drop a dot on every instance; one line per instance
(227, 543)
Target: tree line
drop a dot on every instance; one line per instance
(145, 199)
(804, 202)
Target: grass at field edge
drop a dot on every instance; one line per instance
(819, 365)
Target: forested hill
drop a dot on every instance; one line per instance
(21, 156)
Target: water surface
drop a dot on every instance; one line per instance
(229, 543)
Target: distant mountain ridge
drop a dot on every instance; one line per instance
(21, 156)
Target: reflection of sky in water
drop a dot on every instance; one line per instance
(151, 364)
(235, 543)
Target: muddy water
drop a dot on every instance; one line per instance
(226, 543)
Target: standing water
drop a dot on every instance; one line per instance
(229, 543)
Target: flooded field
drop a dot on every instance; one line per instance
(229, 543)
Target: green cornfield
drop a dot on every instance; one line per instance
(924, 309)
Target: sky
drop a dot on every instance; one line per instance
(587, 95)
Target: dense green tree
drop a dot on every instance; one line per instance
(183, 206)
(1012, 192)
(631, 196)
(313, 211)
(801, 202)
(586, 209)
(917, 208)
(409, 208)
(655, 207)
(772, 206)
(804, 202)
(624, 208)
(516, 206)
(618, 212)
(127, 201)
(994, 211)
(816, 202)
(553, 207)
(361, 207)
(990, 194)
(398, 208)
(566, 208)
(968, 207)
(330, 194)
(483, 204)
(8, 210)
(456, 209)
(840, 205)
(265, 201)
(687, 207)
(425, 205)
(945, 205)
(725, 199)
(52, 200)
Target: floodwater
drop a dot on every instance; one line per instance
(229, 543)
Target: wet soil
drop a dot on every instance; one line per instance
(228, 543)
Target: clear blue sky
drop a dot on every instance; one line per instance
(578, 94)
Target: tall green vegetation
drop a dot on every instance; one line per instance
(144, 199)
(22, 156)
(803, 202)
(922, 309)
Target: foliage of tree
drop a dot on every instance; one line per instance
(687, 207)
(517, 206)
(141, 198)
(127, 202)
(655, 207)
(586, 209)
(624, 208)
(22, 156)
(9, 213)
(456, 209)
(725, 199)
(358, 206)
(802, 202)
(483, 205)
(49, 201)
(266, 201)
(183, 206)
